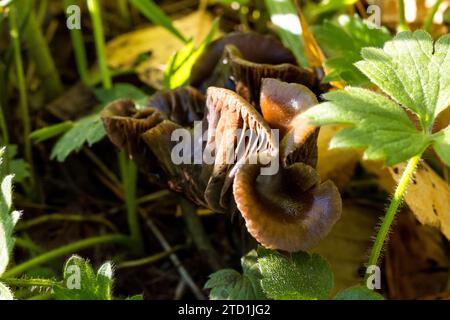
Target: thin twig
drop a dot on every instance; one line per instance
(166, 246)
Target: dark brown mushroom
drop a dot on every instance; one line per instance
(281, 106)
(248, 75)
(241, 60)
(290, 211)
(182, 105)
(252, 46)
(231, 118)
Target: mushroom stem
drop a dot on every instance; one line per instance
(392, 210)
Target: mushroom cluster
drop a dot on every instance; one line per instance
(257, 155)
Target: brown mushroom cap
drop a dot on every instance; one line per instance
(252, 46)
(124, 125)
(230, 118)
(182, 105)
(282, 105)
(290, 211)
(248, 75)
(189, 179)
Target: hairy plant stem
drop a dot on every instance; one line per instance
(28, 282)
(4, 127)
(38, 50)
(402, 24)
(429, 21)
(392, 210)
(23, 99)
(76, 36)
(64, 250)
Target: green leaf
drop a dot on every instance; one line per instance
(342, 40)
(89, 130)
(81, 283)
(154, 13)
(8, 219)
(413, 72)
(5, 293)
(358, 293)
(380, 125)
(228, 284)
(179, 66)
(298, 277)
(12, 165)
(284, 16)
(442, 145)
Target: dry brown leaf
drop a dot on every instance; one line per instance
(337, 165)
(346, 247)
(428, 196)
(417, 259)
(125, 51)
(416, 11)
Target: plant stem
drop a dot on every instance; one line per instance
(148, 260)
(129, 178)
(124, 11)
(198, 234)
(4, 127)
(64, 217)
(392, 210)
(94, 10)
(23, 99)
(28, 282)
(64, 250)
(402, 24)
(128, 168)
(78, 46)
(39, 50)
(429, 21)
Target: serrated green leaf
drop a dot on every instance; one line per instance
(104, 281)
(299, 277)
(284, 16)
(228, 284)
(5, 293)
(90, 130)
(342, 40)
(8, 220)
(13, 165)
(358, 293)
(81, 283)
(138, 297)
(413, 71)
(380, 125)
(442, 145)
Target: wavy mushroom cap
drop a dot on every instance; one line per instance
(125, 124)
(281, 106)
(252, 46)
(248, 76)
(182, 105)
(291, 210)
(237, 134)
